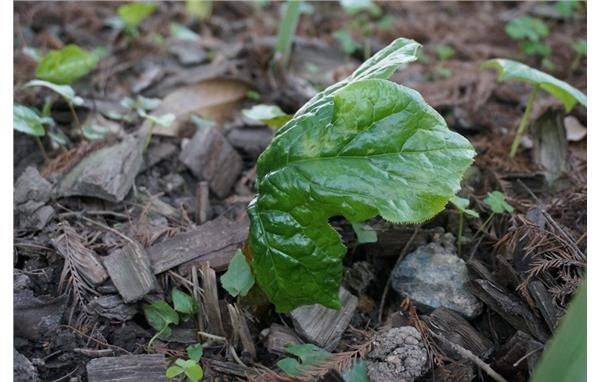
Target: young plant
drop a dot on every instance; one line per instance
(66, 65)
(530, 32)
(363, 147)
(462, 205)
(65, 91)
(29, 121)
(131, 15)
(285, 33)
(189, 368)
(160, 315)
(444, 53)
(580, 48)
(363, 14)
(513, 70)
(310, 356)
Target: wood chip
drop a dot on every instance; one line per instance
(210, 157)
(509, 307)
(452, 326)
(215, 241)
(241, 332)
(210, 301)
(323, 326)
(129, 368)
(544, 302)
(279, 338)
(130, 270)
(107, 173)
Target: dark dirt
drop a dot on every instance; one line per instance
(524, 267)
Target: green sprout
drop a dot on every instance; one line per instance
(513, 70)
(286, 32)
(190, 368)
(530, 33)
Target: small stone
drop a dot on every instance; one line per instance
(31, 186)
(434, 276)
(398, 355)
(23, 369)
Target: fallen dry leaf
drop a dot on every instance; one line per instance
(211, 99)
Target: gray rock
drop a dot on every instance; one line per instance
(31, 186)
(35, 317)
(112, 307)
(107, 173)
(23, 369)
(434, 276)
(398, 355)
(188, 52)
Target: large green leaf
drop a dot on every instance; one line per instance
(66, 65)
(513, 70)
(370, 148)
(28, 121)
(565, 358)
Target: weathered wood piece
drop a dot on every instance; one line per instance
(215, 241)
(324, 326)
(453, 327)
(210, 301)
(544, 303)
(69, 244)
(550, 144)
(131, 272)
(251, 140)
(210, 157)
(112, 307)
(32, 192)
(518, 346)
(107, 173)
(279, 338)
(241, 332)
(509, 307)
(202, 202)
(36, 317)
(128, 368)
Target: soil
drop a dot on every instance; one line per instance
(69, 306)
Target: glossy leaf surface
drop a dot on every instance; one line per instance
(28, 121)
(513, 70)
(370, 147)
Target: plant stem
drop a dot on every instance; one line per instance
(285, 33)
(42, 149)
(461, 220)
(523, 123)
(75, 117)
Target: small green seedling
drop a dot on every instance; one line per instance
(66, 65)
(444, 53)
(160, 315)
(253, 95)
(310, 356)
(201, 9)
(270, 115)
(462, 205)
(513, 70)
(29, 121)
(238, 280)
(130, 16)
(567, 8)
(65, 91)
(342, 156)
(530, 32)
(580, 48)
(189, 368)
(363, 14)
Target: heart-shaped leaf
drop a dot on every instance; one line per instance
(371, 147)
(66, 65)
(513, 70)
(134, 13)
(28, 121)
(183, 302)
(160, 315)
